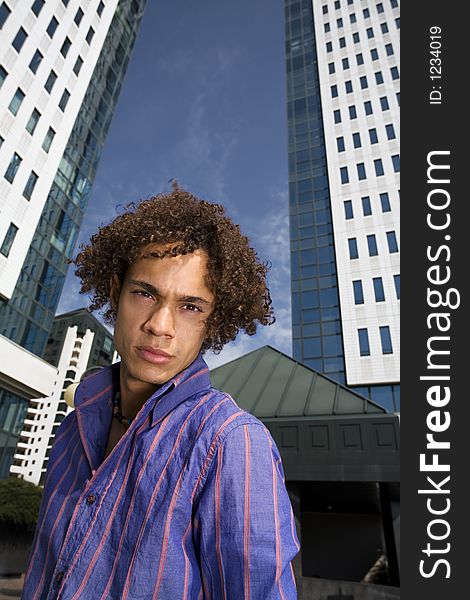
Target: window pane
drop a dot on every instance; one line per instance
(78, 16)
(37, 6)
(50, 82)
(13, 167)
(30, 185)
(368, 107)
(386, 340)
(361, 171)
(89, 35)
(9, 239)
(358, 292)
(64, 100)
(19, 40)
(392, 242)
(373, 136)
(363, 337)
(396, 163)
(353, 253)
(48, 139)
(396, 281)
(384, 103)
(340, 144)
(33, 121)
(348, 209)
(4, 13)
(378, 289)
(372, 245)
(3, 75)
(35, 61)
(379, 170)
(16, 101)
(385, 202)
(344, 175)
(366, 206)
(78, 65)
(65, 47)
(51, 28)
(356, 140)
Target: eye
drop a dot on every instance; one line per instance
(143, 294)
(192, 308)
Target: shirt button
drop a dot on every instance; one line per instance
(59, 577)
(91, 499)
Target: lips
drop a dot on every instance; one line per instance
(154, 355)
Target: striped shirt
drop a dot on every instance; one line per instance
(190, 504)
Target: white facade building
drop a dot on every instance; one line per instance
(344, 173)
(44, 415)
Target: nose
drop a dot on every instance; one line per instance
(161, 322)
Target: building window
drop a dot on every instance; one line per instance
(50, 82)
(4, 13)
(19, 40)
(64, 100)
(394, 3)
(359, 59)
(33, 121)
(390, 132)
(337, 4)
(30, 185)
(345, 62)
(324, 9)
(356, 140)
(352, 17)
(48, 139)
(396, 281)
(100, 8)
(78, 17)
(392, 242)
(356, 38)
(340, 144)
(331, 68)
(373, 136)
(379, 77)
(51, 28)
(397, 23)
(389, 49)
(339, 23)
(372, 245)
(329, 47)
(13, 167)
(378, 289)
(380, 7)
(366, 13)
(370, 32)
(353, 252)
(3, 75)
(37, 6)
(398, 98)
(395, 73)
(352, 112)
(384, 103)
(78, 65)
(348, 209)
(358, 292)
(384, 27)
(89, 35)
(379, 169)
(9, 239)
(396, 163)
(35, 61)
(368, 107)
(65, 47)
(344, 175)
(337, 116)
(366, 206)
(385, 202)
(361, 171)
(348, 87)
(374, 54)
(334, 91)
(342, 42)
(16, 101)
(363, 337)
(364, 84)
(326, 27)
(386, 340)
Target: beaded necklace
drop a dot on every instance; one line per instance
(117, 414)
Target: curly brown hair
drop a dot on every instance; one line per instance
(235, 274)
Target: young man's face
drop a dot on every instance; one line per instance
(162, 307)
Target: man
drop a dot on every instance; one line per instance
(160, 486)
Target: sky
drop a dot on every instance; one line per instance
(204, 102)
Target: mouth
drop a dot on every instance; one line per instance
(153, 355)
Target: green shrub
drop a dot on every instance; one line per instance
(19, 503)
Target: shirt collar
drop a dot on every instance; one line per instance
(93, 402)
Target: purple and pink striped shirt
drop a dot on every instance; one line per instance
(189, 505)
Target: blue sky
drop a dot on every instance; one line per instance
(203, 102)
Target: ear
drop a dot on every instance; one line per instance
(114, 291)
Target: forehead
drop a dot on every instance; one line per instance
(183, 271)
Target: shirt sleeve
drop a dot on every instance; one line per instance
(244, 524)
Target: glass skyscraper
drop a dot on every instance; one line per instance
(342, 64)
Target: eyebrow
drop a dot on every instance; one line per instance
(151, 289)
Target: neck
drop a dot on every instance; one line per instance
(134, 394)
